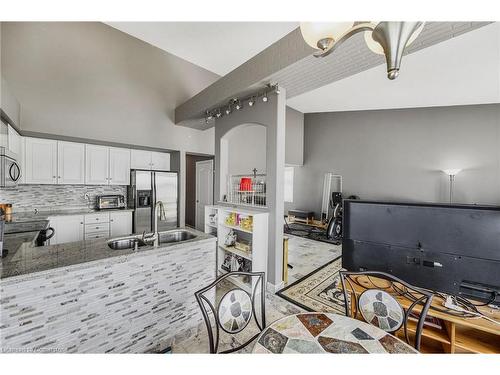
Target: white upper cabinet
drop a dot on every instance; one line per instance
(40, 162)
(97, 165)
(160, 161)
(70, 163)
(119, 166)
(141, 159)
(107, 165)
(14, 141)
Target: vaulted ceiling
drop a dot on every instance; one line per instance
(450, 63)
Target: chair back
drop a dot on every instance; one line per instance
(233, 312)
(386, 302)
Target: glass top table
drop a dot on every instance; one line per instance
(327, 333)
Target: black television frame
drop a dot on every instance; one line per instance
(453, 249)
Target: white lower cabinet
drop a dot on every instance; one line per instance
(120, 223)
(91, 226)
(67, 229)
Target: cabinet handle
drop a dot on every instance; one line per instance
(53, 176)
(58, 176)
(81, 222)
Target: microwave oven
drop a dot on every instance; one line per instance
(106, 202)
(10, 172)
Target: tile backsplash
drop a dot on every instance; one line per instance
(55, 197)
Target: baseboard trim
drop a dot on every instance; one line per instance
(272, 288)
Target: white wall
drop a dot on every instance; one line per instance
(91, 81)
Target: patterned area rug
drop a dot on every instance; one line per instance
(308, 231)
(319, 290)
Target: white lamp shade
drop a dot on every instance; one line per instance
(452, 171)
(312, 32)
(377, 48)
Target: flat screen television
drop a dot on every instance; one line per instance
(453, 249)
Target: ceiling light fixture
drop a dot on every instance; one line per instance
(238, 104)
(388, 38)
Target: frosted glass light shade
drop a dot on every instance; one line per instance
(377, 48)
(452, 171)
(312, 32)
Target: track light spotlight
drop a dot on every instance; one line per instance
(228, 110)
(237, 104)
(218, 114)
(251, 102)
(265, 98)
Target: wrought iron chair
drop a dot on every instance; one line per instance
(376, 296)
(235, 310)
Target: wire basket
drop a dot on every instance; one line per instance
(247, 194)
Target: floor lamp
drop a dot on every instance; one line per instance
(452, 173)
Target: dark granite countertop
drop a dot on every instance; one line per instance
(27, 258)
(22, 228)
(26, 216)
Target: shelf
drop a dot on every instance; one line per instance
(235, 251)
(431, 332)
(475, 341)
(236, 228)
(236, 281)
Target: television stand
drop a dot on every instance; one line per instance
(457, 334)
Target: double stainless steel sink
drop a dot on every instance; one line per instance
(131, 242)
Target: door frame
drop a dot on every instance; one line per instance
(211, 162)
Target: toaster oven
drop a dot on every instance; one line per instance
(105, 202)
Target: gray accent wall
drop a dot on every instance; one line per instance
(294, 137)
(398, 155)
(272, 117)
(89, 80)
(247, 145)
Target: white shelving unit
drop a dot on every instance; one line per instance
(254, 260)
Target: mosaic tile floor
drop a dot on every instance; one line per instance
(305, 256)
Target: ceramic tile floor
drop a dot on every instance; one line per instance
(305, 256)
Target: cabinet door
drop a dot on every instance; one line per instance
(160, 161)
(140, 159)
(67, 229)
(120, 223)
(14, 141)
(21, 160)
(119, 166)
(96, 165)
(70, 163)
(40, 161)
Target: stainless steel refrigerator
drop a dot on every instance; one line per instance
(148, 187)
